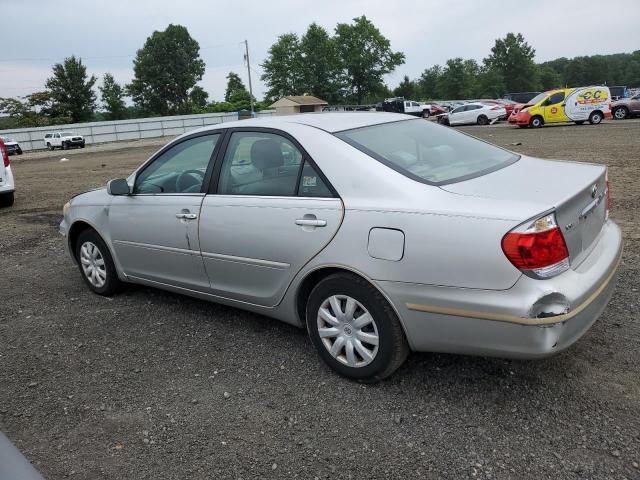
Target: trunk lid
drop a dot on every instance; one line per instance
(576, 191)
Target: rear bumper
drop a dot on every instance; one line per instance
(505, 323)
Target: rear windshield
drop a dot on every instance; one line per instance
(426, 152)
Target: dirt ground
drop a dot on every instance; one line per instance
(151, 385)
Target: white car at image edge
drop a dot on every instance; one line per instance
(476, 112)
(7, 185)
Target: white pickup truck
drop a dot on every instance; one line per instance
(410, 107)
(63, 140)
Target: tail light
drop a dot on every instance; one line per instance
(5, 155)
(538, 248)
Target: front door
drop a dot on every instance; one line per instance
(272, 212)
(554, 109)
(155, 229)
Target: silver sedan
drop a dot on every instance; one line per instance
(378, 233)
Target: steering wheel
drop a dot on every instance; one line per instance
(183, 176)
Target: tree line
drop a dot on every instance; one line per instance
(347, 66)
(510, 67)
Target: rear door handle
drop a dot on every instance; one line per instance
(187, 216)
(311, 222)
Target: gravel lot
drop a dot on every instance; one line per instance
(151, 385)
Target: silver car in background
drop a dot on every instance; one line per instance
(380, 233)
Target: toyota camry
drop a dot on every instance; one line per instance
(379, 233)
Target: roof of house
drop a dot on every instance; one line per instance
(298, 100)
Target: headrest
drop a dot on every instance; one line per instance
(266, 154)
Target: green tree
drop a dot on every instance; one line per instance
(428, 83)
(549, 78)
(513, 57)
(366, 56)
(112, 98)
(283, 68)
(236, 91)
(489, 83)
(165, 69)
(72, 90)
(407, 89)
(320, 64)
(458, 79)
(198, 98)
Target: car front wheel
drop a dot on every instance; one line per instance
(620, 113)
(96, 265)
(354, 329)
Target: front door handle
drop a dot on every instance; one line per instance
(311, 222)
(187, 216)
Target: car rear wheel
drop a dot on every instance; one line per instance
(536, 122)
(482, 120)
(595, 118)
(425, 114)
(354, 329)
(7, 199)
(95, 264)
(620, 113)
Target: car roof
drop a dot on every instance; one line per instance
(330, 122)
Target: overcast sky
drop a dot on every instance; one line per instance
(106, 33)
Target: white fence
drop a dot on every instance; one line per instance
(113, 131)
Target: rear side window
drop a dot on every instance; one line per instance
(428, 153)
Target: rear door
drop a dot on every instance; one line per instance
(269, 212)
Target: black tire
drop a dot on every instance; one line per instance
(536, 122)
(50, 147)
(482, 120)
(579, 122)
(392, 349)
(7, 199)
(65, 145)
(82, 145)
(112, 283)
(596, 117)
(620, 113)
(19, 151)
(425, 114)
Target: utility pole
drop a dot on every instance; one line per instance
(246, 57)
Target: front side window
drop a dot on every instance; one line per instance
(459, 109)
(555, 98)
(426, 152)
(180, 169)
(258, 163)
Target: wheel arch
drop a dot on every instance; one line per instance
(79, 226)
(313, 277)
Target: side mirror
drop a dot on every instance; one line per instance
(119, 186)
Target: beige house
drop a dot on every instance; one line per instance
(298, 104)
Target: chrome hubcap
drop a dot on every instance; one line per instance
(620, 113)
(348, 331)
(93, 264)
